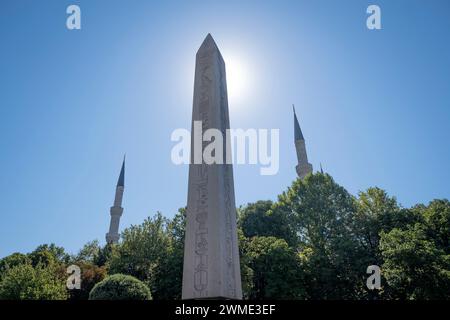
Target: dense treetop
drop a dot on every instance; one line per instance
(315, 242)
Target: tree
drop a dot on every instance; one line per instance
(315, 242)
(275, 269)
(49, 254)
(257, 219)
(414, 267)
(104, 254)
(120, 287)
(141, 250)
(89, 253)
(376, 212)
(437, 223)
(329, 252)
(372, 207)
(25, 282)
(246, 271)
(169, 271)
(11, 261)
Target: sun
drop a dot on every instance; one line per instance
(238, 79)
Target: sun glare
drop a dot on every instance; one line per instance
(237, 79)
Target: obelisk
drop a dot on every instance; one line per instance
(211, 258)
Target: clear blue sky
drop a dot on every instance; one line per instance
(374, 106)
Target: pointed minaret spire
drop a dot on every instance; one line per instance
(116, 210)
(297, 131)
(121, 181)
(303, 167)
(321, 170)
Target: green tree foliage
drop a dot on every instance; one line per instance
(144, 249)
(437, 223)
(11, 261)
(246, 271)
(376, 212)
(89, 253)
(328, 249)
(93, 253)
(39, 275)
(104, 255)
(140, 249)
(337, 236)
(415, 265)
(373, 208)
(169, 272)
(48, 255)
(275, 269)
(120, 287)
(25, 282)
(257, 219)
(315, 242)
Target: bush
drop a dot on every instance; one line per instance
(120, 287)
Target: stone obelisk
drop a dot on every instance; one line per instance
(211, 258)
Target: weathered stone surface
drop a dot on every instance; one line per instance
(211, 258)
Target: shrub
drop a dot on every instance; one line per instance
(120, 287)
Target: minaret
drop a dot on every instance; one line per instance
(116, 210)
(303, 167)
